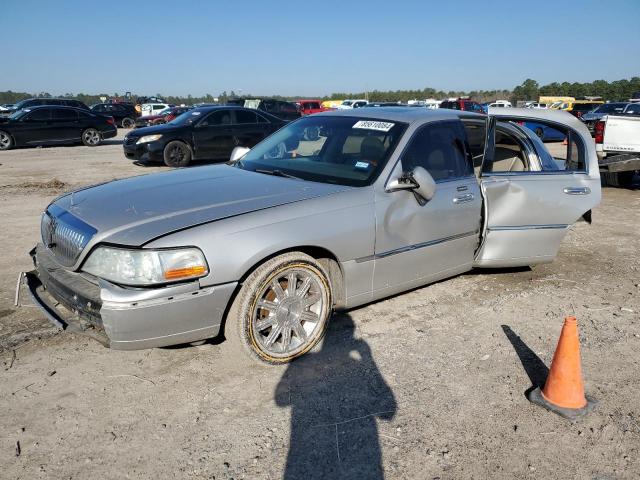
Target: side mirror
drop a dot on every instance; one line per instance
(419, 181)
(426, 184)
(237, 153)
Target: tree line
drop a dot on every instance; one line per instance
(618, 90)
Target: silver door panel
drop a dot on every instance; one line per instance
(414, 242)
(512, 248)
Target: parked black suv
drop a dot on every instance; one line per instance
(48, 124)
(281, 109)
(124, 114)
(36, 102)
(209, 133)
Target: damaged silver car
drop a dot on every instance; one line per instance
(334, 210)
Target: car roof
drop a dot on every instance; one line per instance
(401, 114)
(210, 108)
(66, 107)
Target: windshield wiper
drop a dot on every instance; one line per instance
(276, 173)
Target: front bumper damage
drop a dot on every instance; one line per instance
(125, 318)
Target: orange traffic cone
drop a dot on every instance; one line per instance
(563, 392)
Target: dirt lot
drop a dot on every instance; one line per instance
(429, 384)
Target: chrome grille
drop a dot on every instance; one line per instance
(128, 140)
(64, 235)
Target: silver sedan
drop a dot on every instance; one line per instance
(334, 210)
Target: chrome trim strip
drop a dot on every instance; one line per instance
(415, 246)
(528, 227)
(533, 173)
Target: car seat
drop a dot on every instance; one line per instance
(372, 150)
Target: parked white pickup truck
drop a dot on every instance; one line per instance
(618, 146)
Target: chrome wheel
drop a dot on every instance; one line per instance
(91, 137)
(5, 141)
(290, 312)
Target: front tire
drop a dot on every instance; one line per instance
(128, 122)
(282, 310)
(177, 154)
(6, 142)
(91, 137)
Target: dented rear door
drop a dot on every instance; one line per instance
(528, 209)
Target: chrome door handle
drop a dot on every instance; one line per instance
(577, 190)
(463, 198)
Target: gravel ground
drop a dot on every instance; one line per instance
(428, 384)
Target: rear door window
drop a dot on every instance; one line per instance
(64, 115)
(244, 117)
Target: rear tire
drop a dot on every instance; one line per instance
(282, 310)
(91, 137)
(619, 179)
(6, 141)
(177, 154)
(128, 122)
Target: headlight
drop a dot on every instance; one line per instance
(146, 267)
(149, 138)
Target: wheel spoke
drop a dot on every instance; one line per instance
(300, 332)
(273, 335)
(309, 316)
(267, 305)
(291, 284)
(265, 323)
(277, 289)
(304, 288)
(311, 299)
(286, 338)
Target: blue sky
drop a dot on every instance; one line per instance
(312, 48)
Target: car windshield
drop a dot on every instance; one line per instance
(187, 118)
(347, 102)
(341, 150)
(18, 113)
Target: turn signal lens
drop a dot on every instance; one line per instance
(182, 273)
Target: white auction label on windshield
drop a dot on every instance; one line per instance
(374, 125)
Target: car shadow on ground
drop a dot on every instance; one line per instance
(535, 368)
(111, 142)
(336, 395)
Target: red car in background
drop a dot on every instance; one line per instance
(463, 104)
(165, 116)
(307, 107)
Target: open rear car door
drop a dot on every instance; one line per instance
(533, 191)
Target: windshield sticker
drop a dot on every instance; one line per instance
(362, 165)
(374, 125)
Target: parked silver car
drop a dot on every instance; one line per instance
(334, 210)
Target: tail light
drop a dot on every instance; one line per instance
(599, 131)
(111, 121)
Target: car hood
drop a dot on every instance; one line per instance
(164, 128)
(137, 210)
